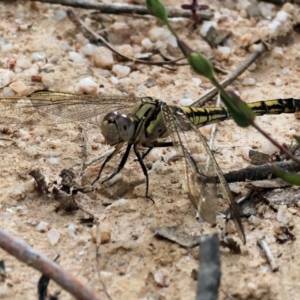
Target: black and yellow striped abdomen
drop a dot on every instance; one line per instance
(204, 116)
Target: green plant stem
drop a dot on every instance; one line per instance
(275, 143)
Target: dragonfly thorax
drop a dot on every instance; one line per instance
(117, 128)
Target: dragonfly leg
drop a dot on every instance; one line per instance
(121, 164)
(107, 159)
(144, 169)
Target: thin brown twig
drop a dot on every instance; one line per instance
(78, 21)
(259, 51)
(123, 9)
(23, 252)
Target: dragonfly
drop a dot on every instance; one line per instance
(145, 122)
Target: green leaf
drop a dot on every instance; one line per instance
(241, 113)
(157, 9)
(292, 178)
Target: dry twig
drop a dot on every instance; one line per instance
(19, 249)
(117, 9)
(78, 21)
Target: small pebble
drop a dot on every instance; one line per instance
(254, 220)
(249, 81)
(282, 16)
(161, 277)
(54, 160)
(147, 44)
(75, 56)
(31, 151)
(158, 33)
(278, 82)
(7, 47)
(274, 25)
(252, 67)
(283, 216)
(117, 203)
(71, 230)
(23, 63)
(205, 27)
(53, 236)
(268, 148)
(42, 227)
(285, 70)
(103, 58)
(158, 166)
(224, 52)
(8, 92)
(172, 41)
(60, 15)
(277, 52)
(19, 87)
(197, 81)
(37, 56)
(186, 101)
(88, 49)
(126, 50)
(120, 70)
(6, 77)
(114, 80)
(87, 86)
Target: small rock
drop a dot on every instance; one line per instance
(150, 82)
(7, 47)
(158, 166)
(87, 86)
(114, 80)
(54, 160)
(285, 70)
(42, 226)
(103, 58)
(121, 71)
(282, 16)
(147, 44)
(161, 277)
(8, 92)
(186, 101)
(37, 56)
(60, 15)
(23, 63)
(75, 56)
(6, 77)
(121, 202)
(283, 216)
(158, 33)
(248, 81)
(53, 236)
(206, 26)
(126, 50)
(254, 220)
(88, 49)
(19, 87)
(71, 230)
(278, 82)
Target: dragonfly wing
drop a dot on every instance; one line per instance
(201, 185)
(55, 107)
(201, 173)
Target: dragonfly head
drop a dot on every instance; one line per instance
(117, 128)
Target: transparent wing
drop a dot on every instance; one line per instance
(45, 107)
(200, 167)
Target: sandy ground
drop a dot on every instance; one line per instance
(132, 255)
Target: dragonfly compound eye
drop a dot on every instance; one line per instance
(117, 128)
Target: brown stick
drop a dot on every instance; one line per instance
(259, 172)
(73, 16)
(123, 9)
(19, 249)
